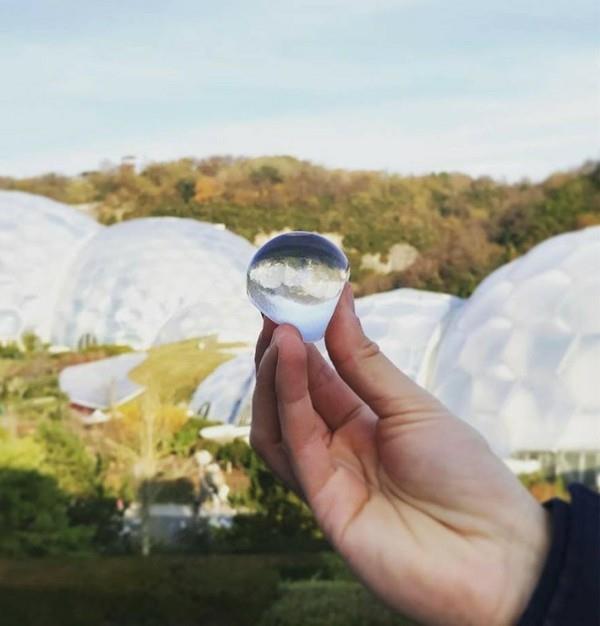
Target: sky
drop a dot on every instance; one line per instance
(504, 88)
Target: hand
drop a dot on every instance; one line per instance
(411, 496)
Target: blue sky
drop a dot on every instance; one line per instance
(510, 89)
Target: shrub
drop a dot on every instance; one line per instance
(236, 452)
(126, 591)
(11, 350)
(328, 603)
(66, 458)
(34, 517)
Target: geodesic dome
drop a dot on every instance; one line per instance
(520, 360)
(225, 394)
(239, 323)
(133, 276)
(406, 323)
(102, 384)
(39, 238)
(72, 281)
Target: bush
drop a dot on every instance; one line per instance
(99, 514)
(66, 458)
(257, 533)
(11, 350)
(34, 517)
(236, 452)
(127, 591)
(187, 439)
(333, 567)
(315, 566)
(328, 603)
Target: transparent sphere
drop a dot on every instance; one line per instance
(297, 279)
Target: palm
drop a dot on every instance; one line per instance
(411, 496)
(400, 497)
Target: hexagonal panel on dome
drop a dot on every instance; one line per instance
(581, 309)
(132, 277)
(579, 370)
(39, 239)
(550, 303)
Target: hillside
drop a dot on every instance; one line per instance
(453, 229)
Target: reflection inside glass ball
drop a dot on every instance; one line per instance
(297, 279)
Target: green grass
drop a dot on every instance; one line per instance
(174, 370)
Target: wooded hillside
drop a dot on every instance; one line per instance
(461, 227)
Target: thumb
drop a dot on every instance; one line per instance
(369, 372)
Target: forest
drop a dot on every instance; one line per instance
(459, 228)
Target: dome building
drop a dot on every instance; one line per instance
(235, 320)
(406, 323)
(39, 240)
(73, 281)
(518, 360)
(133, 276)
(226, 394)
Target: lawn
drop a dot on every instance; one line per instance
(175, 370)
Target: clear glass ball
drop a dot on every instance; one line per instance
(297, 279)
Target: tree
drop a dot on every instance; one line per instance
(34, 517)
(67, 460)
(207, 189)
(372, 211)
(139, 441)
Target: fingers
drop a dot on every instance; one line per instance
(265, 424)
(265, 433)
(331, 397)
(303, 431)
(368, 372)
(264, 339)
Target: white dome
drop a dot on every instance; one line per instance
(225, 394)
(104, 383)
(236, 321)
(520, 360)
(38, 240)
(406, 323)
(132, 277)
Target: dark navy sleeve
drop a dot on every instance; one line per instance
(568, 593)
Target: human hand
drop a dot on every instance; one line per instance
(411, 496)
